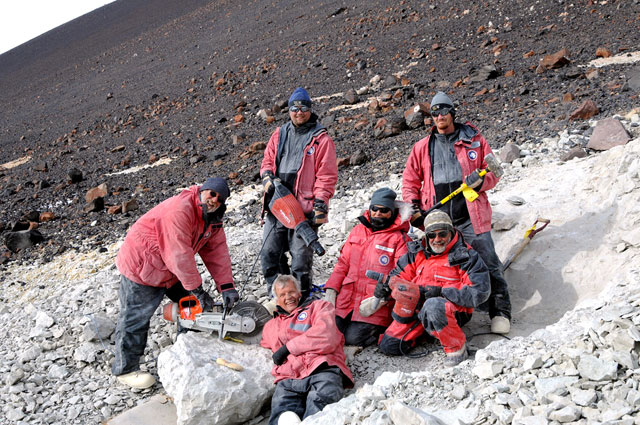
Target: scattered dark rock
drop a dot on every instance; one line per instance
(43, 184)
(20, 225)
(94, 205)
(41, 166)
(17, 241)
(485, 73)
(509, 153)
(343, 162)
(350, 97)
(47, 216)
(75, 176)
(32, 216)
(358, 158)
(575, 152)
(96, 192)
(388, 127)
(114, 209)
(556, 60)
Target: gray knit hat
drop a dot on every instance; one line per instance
(218, 185)
(437, 220)
(441, 99)
(385, 197)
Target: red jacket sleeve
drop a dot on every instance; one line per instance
(412, 176)
(323, 336)
(174, 231)
(270, 335)
(341, 268)
(269, 160)
(215, 255)
(326, 168)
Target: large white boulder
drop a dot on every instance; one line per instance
(207, 393)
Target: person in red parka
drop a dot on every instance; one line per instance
(308, 353)
(453, 153)
(376, 243)
(453, 280)
(157, 259)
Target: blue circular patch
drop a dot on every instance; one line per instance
(302, 316)
(384, 259)
(311, 151)
(472, 155)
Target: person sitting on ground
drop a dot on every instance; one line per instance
(157, 259)
(308, 354)
(376, 243)
(453, 280)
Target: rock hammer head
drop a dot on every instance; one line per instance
(494, 165)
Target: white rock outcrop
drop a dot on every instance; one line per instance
(207, 393)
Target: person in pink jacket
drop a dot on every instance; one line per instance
(308, 353)
(302, 155)
(375, 244)
(157, 259)
(437, 165)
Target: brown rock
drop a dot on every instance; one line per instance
(238, 118)
(41, 166)
(603, 52)
(118, 149)
(350, 97)
(270, 119)
(96, 192)
(481, 92)
(529, 54)
(343, 162)
(608, 133)
(556, 60)
(585, 111)
(510, 73)
(567, 97)
(575, 152)
(130, 205)
(33, 225)
(509, 153)
(152, 158)
(361, 124)
(258, 146)
(237, 139)
(358, 158)
(47, 216)
(233, 175)
(218, 162)
(125, 161)
(114, 209)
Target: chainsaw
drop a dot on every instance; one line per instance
(242, 323)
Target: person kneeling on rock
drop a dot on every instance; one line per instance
(376, 243)
(157, 259)
(452, 279)
(308, 354)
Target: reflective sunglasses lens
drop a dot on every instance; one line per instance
(442, 234)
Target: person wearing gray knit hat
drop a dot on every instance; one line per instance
(453, 153)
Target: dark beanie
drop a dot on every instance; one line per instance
(218, 185)
(300, 97)
(385, 197)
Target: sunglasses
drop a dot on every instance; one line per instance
(441, 234)
(302, 108)
(440, 110)
(383, 210)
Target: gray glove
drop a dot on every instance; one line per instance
(267, 182)
(473, 180)
(330, 296)
(229, 297)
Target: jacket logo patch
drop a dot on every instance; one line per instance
(302, 316)
(311, 151)
(384, 248)
(472, 155)
(384, 259)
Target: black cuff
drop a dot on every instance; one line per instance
(226, 287)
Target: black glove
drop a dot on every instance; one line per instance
(382, 290)
(204, 298)
(417, 214)
(229, 297)
(473, 180)
(430, 291)
(267, 183)
(280, 356)
(320, 210)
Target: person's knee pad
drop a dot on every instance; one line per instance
(432, 314)
(389, 346)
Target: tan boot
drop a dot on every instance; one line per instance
(137, 379)
(500, 325)
(289, 418)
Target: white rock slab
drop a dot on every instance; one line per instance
(207, 393)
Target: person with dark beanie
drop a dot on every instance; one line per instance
(157, 258)
(376, 243)
(301, 154)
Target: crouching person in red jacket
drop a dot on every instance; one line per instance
(309, 363)
(157, 258)
(453, 280)
(376, 243)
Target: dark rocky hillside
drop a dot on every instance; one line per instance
(136, 82)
